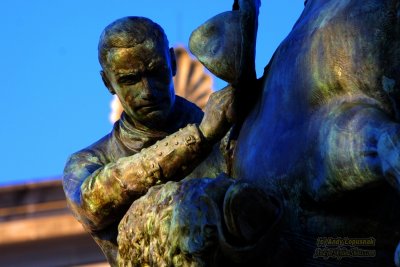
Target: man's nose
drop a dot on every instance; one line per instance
(148, 90)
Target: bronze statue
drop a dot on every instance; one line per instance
(322, 136)
(102, 180)
(314, 151)
(328, 120)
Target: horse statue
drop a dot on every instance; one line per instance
(316, 162)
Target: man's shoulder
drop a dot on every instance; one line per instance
(183, 102)
(189, 111)
(96, 152)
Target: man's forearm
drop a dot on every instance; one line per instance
(110, 190)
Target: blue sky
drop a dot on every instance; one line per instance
(53, 102)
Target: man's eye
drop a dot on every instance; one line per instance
(129, 79)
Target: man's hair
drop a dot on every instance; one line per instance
(128, 32)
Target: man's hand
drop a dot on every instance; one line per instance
(219, 114)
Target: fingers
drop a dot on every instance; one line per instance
(221, 103)
(219, 114)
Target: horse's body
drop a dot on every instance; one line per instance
(323, 137)
(314, 137)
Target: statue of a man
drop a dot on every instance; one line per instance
(102, 180)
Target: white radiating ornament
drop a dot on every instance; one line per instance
(191, 82)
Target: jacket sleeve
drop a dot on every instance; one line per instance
(99, 194)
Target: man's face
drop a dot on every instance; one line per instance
(141, 76)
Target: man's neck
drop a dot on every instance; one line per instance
(132, 124)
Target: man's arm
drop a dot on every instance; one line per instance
(100, 194)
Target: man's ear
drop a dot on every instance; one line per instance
(106, 82)
(173, 61)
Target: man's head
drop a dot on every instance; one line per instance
(138, 67)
